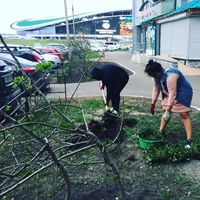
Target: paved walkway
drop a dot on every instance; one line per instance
(186, 70)
(139, 84)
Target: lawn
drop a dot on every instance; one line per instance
(167, 171)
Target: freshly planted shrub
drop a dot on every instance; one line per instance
(149, 134)
(148, 128)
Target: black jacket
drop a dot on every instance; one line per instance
(109, 74)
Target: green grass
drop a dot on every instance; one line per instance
(33, 42)
(172, 151)
(166, 184)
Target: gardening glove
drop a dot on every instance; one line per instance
(167, 115)
(152, 107)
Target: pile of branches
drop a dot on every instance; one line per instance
(35, 147)
(35, 151)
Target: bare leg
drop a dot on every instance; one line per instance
(163, 123)
(187, 122)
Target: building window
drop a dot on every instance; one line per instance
(182, 3)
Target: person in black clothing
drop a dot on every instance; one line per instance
(114, 78)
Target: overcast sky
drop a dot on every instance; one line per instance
(16, 10)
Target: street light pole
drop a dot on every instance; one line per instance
(134, 31)
(73, 21)
(66, 19)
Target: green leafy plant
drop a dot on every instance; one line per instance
(43, 66)
(22, 81)
(150, 134)
(148, 128)
(168, 153)
(8, 108)
(167, 185)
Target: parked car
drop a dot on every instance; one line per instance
(23, 62)
(7, 91)
(31, 54)
(62, 49)
(97, 47)
(23, 51)
(62, 46)
(51, 58)
(51, 51)
(37, 55)
(111, 46)
(41, 79)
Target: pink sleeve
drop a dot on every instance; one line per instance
(155, 92)
(171, 85)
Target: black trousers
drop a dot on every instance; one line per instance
(113, 92)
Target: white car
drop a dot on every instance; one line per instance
(23, 62)
(111, 46)
(51, 58)
(97, 47)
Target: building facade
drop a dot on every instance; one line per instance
(169, 28)
(106, 24)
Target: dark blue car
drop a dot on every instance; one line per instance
(8, 94)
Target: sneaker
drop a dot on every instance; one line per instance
(115, 112)
(111, 109)
(188, 144)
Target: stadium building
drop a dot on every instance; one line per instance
(115, 24)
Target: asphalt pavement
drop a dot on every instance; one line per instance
(139, 83)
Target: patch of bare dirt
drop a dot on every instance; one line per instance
(141, 181)
(180, 181)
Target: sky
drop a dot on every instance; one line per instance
(16, 10)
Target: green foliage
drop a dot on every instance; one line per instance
(169, 153)
(22, 81)
(8, 108)
(148, 127)
(5, 198)
(24, 147)
(81, 55)
(131, 135)
(172, 150)
(43, 66)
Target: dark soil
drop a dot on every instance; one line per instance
(141, 181)
(109, 127)
(96, 181)
(96, 192)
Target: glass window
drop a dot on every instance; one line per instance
(180, 3)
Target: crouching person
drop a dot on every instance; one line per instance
(177, 95)
(114, 78)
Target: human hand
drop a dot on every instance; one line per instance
(152, 107)
(106, 105)
(167, 115)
